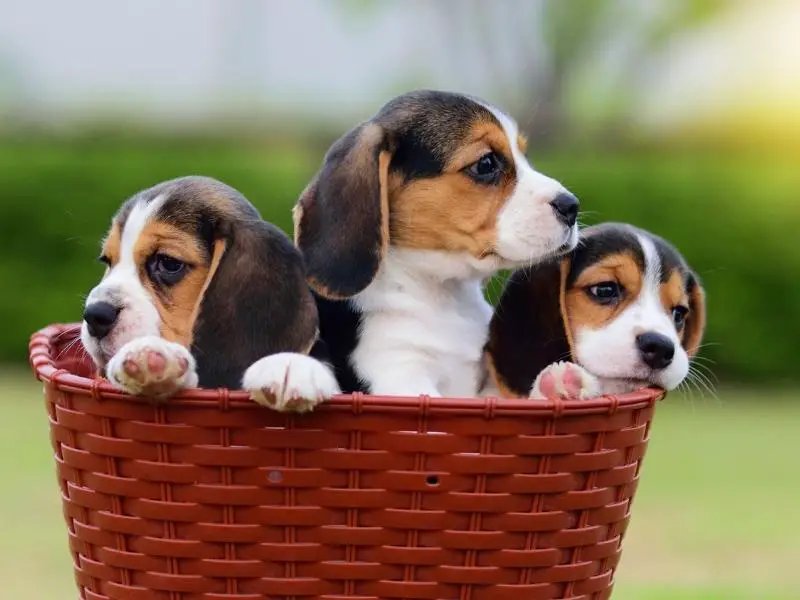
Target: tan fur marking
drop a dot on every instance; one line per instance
(111, 244)
(673, 293)
(447, 213)
(485, 136)
(696, 322)
(297, 218)
(451, 212)
(219, 250)
(582, 311)
(383, 180)
(177, 307)
(562, 303)
(502, 387)
(522, 142)
(323, 290)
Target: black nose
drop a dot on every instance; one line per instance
(566, 206)
(656, 350)
(100, 318)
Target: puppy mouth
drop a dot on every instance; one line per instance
(567, 246)
(101, 354)
(567, 243)
(648, 378)
(635, 379)
(642, 383)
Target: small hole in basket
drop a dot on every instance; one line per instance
(275, 477)
(432, 480)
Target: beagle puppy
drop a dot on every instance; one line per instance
(623, 309)
(410, 213)
(199, 290)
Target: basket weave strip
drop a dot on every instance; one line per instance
(210, 496)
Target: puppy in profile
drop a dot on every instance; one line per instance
(410, 213)
(199, 290)
(621, 312)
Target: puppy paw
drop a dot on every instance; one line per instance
(152, 366)
(290, 382)
(565, 381)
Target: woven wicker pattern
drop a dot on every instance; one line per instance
(212, 497)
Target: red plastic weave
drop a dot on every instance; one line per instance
(212, 497)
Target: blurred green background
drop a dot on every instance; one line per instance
(680, 116)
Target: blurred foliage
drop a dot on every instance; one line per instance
(583, 73)
(578, 33)
(730, 216)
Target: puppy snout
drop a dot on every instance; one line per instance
(655, 349)
(100, 318)
(566, 206)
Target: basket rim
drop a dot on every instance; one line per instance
(43, 343)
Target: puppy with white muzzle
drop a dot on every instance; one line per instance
(409, 215)
(199, 290)
(621, 312)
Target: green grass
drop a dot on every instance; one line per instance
(715, 518)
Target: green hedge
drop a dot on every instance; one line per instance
(736, 220)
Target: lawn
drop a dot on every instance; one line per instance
(716, 516)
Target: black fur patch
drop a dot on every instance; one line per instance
(258, 302)
(339, 334)
(670, 259)
(340, 231)
(428, 127)
(340, 226)
(256, 305)
(600, 241)
(527, 331)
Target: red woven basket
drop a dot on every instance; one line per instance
(213, 497)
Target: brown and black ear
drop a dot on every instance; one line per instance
(696, 321)
(342, 217)
(529, 330)
(256, 302)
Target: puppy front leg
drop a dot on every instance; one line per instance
(404, 387)
(152, 366)
(566, 381)
(290, 382)
(403, 379)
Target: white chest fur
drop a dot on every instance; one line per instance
(424, 324)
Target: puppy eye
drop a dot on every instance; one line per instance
(105, 260)
(487, 169)
(679, 314)
(606, 292)
(165, 269)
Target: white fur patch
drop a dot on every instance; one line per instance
(566, 380)
(528, 229)
(152, 366)
(424, 324)
(424, 318)
(289, 382)
(611, 353)
(122, 288)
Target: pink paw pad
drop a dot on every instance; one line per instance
(562, 381)
(156, 363)
(131, 367)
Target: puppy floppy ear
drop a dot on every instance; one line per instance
(342, 218)
(256, 302)
(530, 328)
(696, 322)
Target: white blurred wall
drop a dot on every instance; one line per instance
(189, 60)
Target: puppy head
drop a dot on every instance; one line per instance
(191, 260)
(431, 171)
(624, 305)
